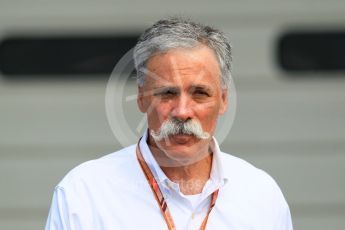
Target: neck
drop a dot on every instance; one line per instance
(191, 177)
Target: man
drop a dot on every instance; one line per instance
(176, 177)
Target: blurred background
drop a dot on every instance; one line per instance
(289, 70)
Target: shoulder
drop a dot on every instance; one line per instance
(246, 178)
(93, 188)
(97, 170)
(237, 168)
(252, 194)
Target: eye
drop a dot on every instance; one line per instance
(201, 93)
(169, 92)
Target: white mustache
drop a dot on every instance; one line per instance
(175, 126)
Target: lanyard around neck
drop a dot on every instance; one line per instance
(160, 198)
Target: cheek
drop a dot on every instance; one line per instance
(208, 116)
(211, 121)
(156, 115)
(205, 107)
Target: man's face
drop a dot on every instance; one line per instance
(183, 84)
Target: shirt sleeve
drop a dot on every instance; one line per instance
(284, 221)
(58, 218)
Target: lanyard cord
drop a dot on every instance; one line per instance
(160, 198)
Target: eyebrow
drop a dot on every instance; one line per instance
(164, 89)
(160, 90)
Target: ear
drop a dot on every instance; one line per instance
(224, 102)
(141, 100)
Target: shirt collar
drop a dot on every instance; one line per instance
(216, 176)
(150, 160)
(217, 173)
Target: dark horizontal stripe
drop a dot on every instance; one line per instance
(63, 56)
(305, 50)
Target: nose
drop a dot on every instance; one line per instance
(182, 109)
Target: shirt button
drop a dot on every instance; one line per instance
(169, 184)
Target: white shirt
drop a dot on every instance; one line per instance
(113, 193)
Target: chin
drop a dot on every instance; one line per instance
(185, 153)
(181, 158)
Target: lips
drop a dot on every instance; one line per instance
(181, 138)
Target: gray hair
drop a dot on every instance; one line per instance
(173, 33)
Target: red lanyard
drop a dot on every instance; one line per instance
(160, 198)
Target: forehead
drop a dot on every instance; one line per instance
(199, 64)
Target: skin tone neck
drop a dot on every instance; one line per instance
(190, 177)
